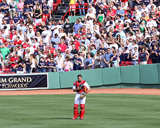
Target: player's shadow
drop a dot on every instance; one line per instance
(59, 118)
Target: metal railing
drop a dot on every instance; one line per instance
(71, 7)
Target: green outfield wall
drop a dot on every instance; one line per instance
(139, 76)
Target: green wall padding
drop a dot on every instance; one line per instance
(72, 19)
(111, 76)
(130, 74)
(68, 78)
(92, 77)
(54, 80)
(148, 74)
(158, 67)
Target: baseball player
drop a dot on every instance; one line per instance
(81, 88)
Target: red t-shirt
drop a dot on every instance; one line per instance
(84, 31)
(63, 47)
(13, 59)
(124, 1)
(25, 45)
(77, 44)
(51, 50)
(77, 35)
(111, 14)
(2, 39)
(18, 42)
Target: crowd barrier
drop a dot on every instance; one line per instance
(139, 76)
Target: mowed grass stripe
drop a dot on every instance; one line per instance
(102, 111)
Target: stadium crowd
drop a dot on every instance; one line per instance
(111, 34)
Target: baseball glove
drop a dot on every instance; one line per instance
(82, 95)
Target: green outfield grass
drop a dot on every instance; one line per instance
(102, 111)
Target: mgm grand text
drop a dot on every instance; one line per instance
(15, 82)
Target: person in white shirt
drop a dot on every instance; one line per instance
(135, 56)
(144, 8)
(151, 23)
(91, 7)
(30, 47)
(30, 32)
(134, 45)
(1, 17)
(90, 14)
(150, 4)
(138, 12)
(114, 45)
(46, 36)
(55, 28)
(110, 21)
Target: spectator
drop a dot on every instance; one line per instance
(107, 57)
(81, 7)
(77, 25)
(74, 50)
(33, 63)
(28, 65)
(13, 61)
(77, 62)
(135, 56)
(89, 62)
(37, 14)
(20, 6)
(102, 63)
(27, 11)
(67, 65)
(67, 26)
(97, 59)
(20, 66)
(42, 65)
(4, 51)
(12, 5)
(51, 65)
(4, 6)
(91, 15)
(115, 59)
(144, 55)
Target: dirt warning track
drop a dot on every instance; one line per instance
(93, 91)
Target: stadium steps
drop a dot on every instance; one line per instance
(61, 10)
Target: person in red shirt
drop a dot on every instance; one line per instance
(1, 39)
(78, 34)
(111, 13)
(51, 49)
(76, 43)
(62, 46)
(83, 30)
(13, 61)
(25, 44)
(17, 41)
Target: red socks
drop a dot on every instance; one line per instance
(82, 111)
(75, 111)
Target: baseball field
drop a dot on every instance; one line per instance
(20, 109)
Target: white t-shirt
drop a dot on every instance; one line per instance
(31, 49)
(114, 45)
(151, 24)
(47, 35)
(108, 23)
(136, 54)
(1, 17)
(93, 10)
(56, 30)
